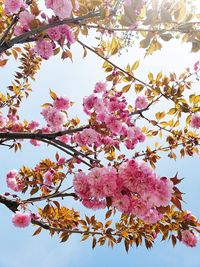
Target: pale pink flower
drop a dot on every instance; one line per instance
(21, 219)
(13, 6)
(49, 3)
(122, 203)
(89, 102)
(54, 33)
(195, 121)
(64, 138)
(53, 117)
(61, 8)
(61, 103)
(153, 216)
(94, 204)
(81, 185)
(101, 117)
(3, 120)
(33, 125)
(25, 18)
(189, 239)
(48, 177)
(76, 5)
(87, 137)
(141, 102)
(23, 25)
(113, 124)
(44, 49)
(18, 30)
(100, 87)
(95, 176)
(196, 65)
(35, 142)
(13, 182)
(66, 31)
(127, 2)
(99, 105)
(12, 174)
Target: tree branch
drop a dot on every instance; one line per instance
(161, 31)
(22, 38)
(114, 65)
(70, 231)
(54, 195)
(50, 136)
(11, 204)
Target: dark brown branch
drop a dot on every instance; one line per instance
(11, 204)
(50, 136)
(22, 38)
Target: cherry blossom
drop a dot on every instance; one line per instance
(189, 239)
(21, 219)
(195, 121)
(13, 6)
(141, 102)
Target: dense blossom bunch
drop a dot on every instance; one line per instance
(46, 45)
(126, 185)
(111, 112)
(141, 102)
(189, 239)
(54, 115)
(134, 188)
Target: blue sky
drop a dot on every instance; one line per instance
(75, 80)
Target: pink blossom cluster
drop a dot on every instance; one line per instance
(133, 188)
(13, 181)
(24, 22)
(48, 177)
(189, 239)
(63, 31)
(14, 6)
(141, 102)
(88, 137)
(195, 121)
(54, 115)
(61, 8)
(21, 219)
(45, 47)
(111, 111)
